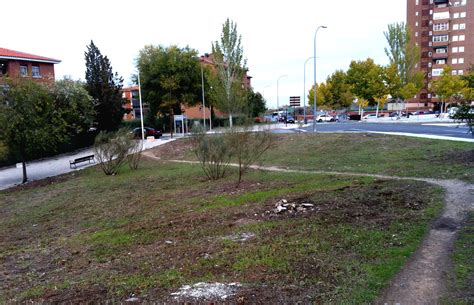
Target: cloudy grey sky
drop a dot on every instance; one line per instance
(277, 36)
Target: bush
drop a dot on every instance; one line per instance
(112, 148)
(248, 147)
(213, 153)
(465, 114)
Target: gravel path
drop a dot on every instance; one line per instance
(423, 279)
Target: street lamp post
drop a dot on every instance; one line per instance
(304, 89)
(141, 106)
(278, 91)
(314, 55)
(203, 99)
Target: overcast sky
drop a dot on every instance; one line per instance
(277, 36)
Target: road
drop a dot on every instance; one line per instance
(448, 130)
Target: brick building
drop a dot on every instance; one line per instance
(15, 64)
(444, 30)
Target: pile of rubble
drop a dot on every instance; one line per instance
(207, 291)
(283, 206)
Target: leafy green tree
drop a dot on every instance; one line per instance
(367, 80)
(256, 103)
(229, 94)
(105, 88)
(77, 106)
(340, 91)
(469, 78)
(404, 80)
(448, 87)
(323, 96)
(30, 120)
(169, 76)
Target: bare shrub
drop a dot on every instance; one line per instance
(135, 154)
(248, 147)
(111, 150)
(213, 153)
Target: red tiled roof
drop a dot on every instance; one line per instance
(11, 54)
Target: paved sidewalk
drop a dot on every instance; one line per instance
(57, 165)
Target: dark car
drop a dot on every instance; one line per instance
(149, 132)
(290, 119)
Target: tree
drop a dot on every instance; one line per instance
(256, 103)
(76, 104)
(367, 80)
(448, 87)
(169, 76)
(340, 91)
(404, 80)
(323, 96)
(105, 88)
(230, 68)
(30, 120)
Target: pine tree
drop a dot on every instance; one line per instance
(104, 86)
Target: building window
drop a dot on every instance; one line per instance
(456, 15)
(454, 72)
(460, 72)
(441, 61)
(416, 34)
(461, 49)
(456, 26)
(441, 50)
(454, 61)
(440, 38)
(461, 60)
(462, 26)
(417, 3)
(23, 70)
(462, 37)
(35, 71)
(441, 15)
(455, 38)
(416, 14)
(440, 26)
(437, 72)
(462, 15)
(455, 49)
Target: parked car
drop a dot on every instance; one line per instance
(370, 116)
(149, 132)
(342, 117)
(290, 119)
(324, 118)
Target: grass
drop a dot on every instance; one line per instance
(463, 261)
(363, 153)
(368, 153)
(148, 232)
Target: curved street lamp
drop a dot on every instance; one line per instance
(314, 106)
(304, 89)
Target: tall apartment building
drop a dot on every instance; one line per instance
(444, 30)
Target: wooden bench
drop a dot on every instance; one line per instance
(82, 159)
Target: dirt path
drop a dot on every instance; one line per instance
(422, 280)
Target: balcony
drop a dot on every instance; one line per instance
(440, 55)
(441, 2)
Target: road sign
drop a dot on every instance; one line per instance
(295, 101)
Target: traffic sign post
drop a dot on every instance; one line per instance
(294, 102)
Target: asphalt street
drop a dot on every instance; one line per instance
(449, 130)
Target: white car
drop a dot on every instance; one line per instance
(324, 118)
(370, 116)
